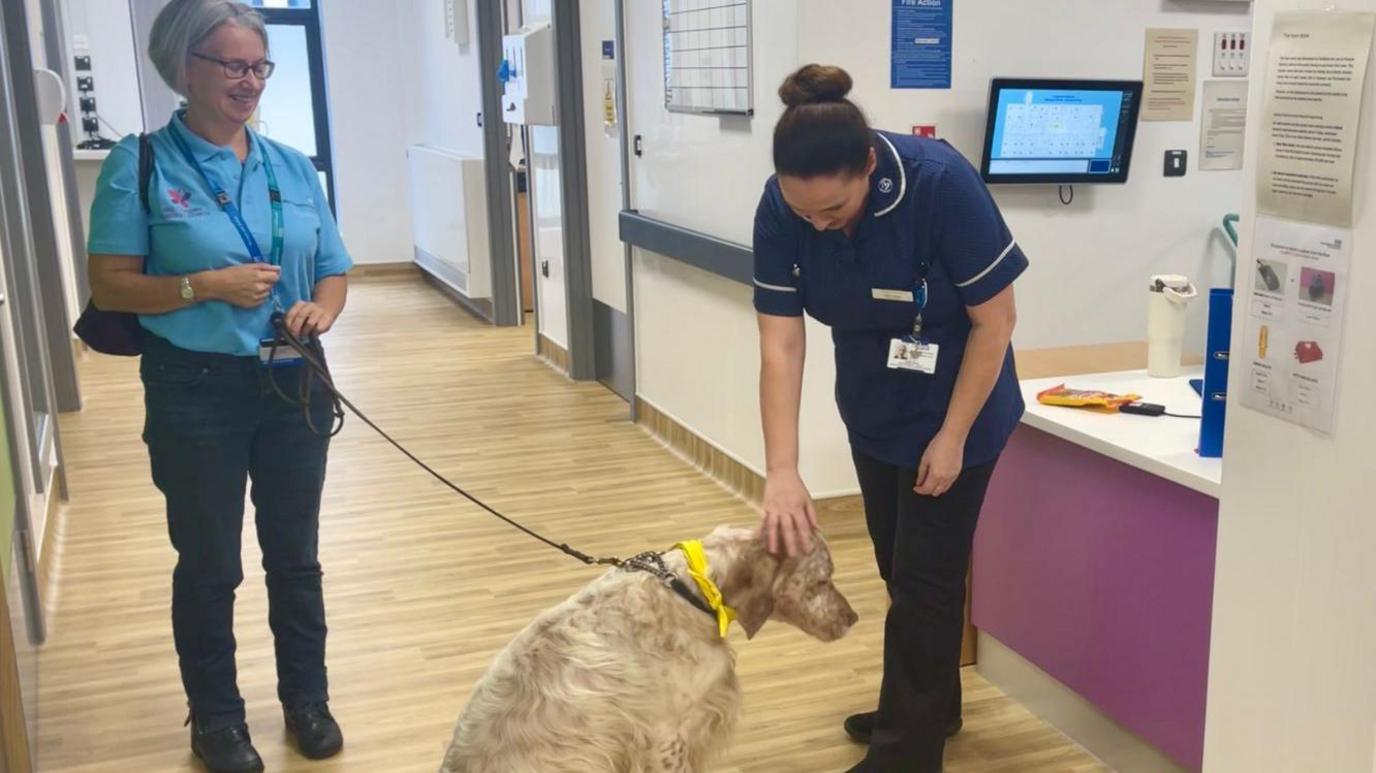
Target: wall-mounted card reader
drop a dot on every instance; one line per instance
(528, 74)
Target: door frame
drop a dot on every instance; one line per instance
(58, 55)
(501, 198)
(54, 355)
(565, 19)
(33, 455)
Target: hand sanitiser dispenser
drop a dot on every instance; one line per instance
(1167, 302)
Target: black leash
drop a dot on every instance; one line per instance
(312, 357)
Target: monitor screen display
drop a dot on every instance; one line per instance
(1060, 131)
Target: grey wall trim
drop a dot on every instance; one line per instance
(20, 300)
(501, 229)
(19, 138)
(723, 258)
(23, 549)
(450, 279)
(614, 365)
(61, 362)
(573, 155)
(480, 307)
(55, 24)
(622, 87)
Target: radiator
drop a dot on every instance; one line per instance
(449, 219)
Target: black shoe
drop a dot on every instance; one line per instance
(860, 727)
(317, 734)
(226, 750)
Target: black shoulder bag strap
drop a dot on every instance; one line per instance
(145, 171)
(117, 332)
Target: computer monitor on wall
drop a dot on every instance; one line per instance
(1060, 131)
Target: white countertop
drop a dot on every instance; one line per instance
(90, 155)
(1161, 445)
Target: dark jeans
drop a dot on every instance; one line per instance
(213, 423)
(922, 545)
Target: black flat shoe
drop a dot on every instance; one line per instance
(860, 727)
(225, 750)
(317, 734)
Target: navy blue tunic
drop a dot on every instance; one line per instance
(927, 211)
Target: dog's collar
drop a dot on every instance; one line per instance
(697, 569)
(653, 563)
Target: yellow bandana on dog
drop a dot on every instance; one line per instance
(697, 569)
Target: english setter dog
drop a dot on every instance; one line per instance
(626, 676)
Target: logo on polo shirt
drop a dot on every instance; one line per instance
(885, 185)
(181, 208)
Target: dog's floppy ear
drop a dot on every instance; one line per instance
(751, 586)
(757, 609)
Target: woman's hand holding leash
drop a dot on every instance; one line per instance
(308, 318)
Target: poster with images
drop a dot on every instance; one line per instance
(1292, 339)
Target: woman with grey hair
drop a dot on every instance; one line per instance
(206, 231)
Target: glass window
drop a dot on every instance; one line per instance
(286, 112)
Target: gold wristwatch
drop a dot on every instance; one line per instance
(188, 292)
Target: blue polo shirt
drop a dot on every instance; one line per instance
(927, 206)
(184, 231)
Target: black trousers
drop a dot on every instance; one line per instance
(213, 422)
(922, 545)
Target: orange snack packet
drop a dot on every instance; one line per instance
(1084, 398)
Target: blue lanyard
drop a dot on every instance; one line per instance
(920, 299)
(231, 210)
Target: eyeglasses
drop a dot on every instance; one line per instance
(237, 69)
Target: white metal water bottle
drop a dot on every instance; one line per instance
(1167, 299)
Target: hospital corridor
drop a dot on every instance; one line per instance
(423, 588)
(687, 386)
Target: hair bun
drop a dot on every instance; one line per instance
(815, 83)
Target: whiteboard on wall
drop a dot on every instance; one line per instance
(707, 56)
(704, 171)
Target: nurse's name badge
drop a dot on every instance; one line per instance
(906, 354)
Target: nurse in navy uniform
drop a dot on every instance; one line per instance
(893, 242)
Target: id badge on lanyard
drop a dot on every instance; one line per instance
(276, 352)
(914, 352)
(272, 350)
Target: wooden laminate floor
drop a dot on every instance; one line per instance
(423, 588)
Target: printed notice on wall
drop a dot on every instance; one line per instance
(1169, 67)
(920, 56)
(1223, 129)
(1313, 102)
(1294, 320)
(608, 88)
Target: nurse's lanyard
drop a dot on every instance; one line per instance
(231, 210)
(912, 352)
(920, 298)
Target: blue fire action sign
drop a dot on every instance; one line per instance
(921, 55)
